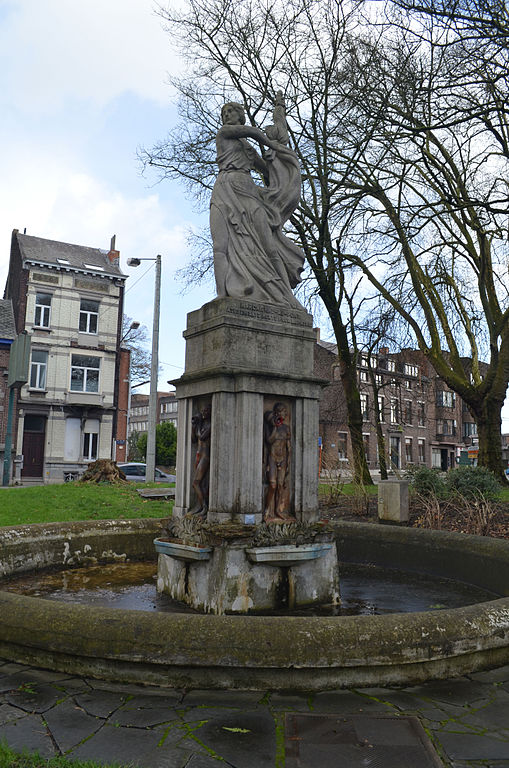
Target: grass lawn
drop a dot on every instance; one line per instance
(10, 759)
(77, 501)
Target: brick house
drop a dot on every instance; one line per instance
(423, 421)
(138, 413)
(69, 298)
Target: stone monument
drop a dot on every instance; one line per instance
(248, 399)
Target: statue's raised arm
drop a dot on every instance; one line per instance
(253, 259)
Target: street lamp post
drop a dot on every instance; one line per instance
(154, 366)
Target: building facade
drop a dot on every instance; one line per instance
(423, 422)
(69, 298)
(7, 335)
(138, 412)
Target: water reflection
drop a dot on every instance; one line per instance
(365, 590)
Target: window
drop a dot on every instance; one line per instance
(364, 360)
(391, 365)
(379, 379)
(365, 438)
(394, 412)
(90, 439)
(89, 312)
(469, 428)
(446, 399)
(409, 453)
(411, 370)
(342, 445)
(38, 368)
(408, 411)
(363, 376)
(446, 426)
(364, 406)
(42, 310)
(421, 414)
(408, 384)
(421, 446)
(381, 407)
(84, 373)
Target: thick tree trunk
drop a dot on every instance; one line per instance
(361, 475)
(489, 427)
(382, 459)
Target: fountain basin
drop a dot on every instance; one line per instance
(287, 554)
(186, 552)
(257, 652)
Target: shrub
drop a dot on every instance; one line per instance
(425, 482)
(472, 482)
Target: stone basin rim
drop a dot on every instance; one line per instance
(250, 651)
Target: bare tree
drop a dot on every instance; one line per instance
(423, 158)
(247, 50)
(136, 339)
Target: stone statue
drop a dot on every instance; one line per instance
(278, 451)
(253, 259)
(201, 435)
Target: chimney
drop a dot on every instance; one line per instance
(384, 350)
(114, 255)
(317, 332)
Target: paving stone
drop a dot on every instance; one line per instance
(199, 714)
(433, 711)
(9, 713)
(9, 667)
(497, 675)
(357, 741)
(28, 733)
(143, 717)
(223, 699)
(347, 702)
(492, 716)
(172, 757)
(69, 725)
(243, 739)
(461, 746)
(35, 697)
(72, 685)
(202, 761)
(292, 701)
(454, 691)
(133, 689)
(100, 703)
(121, 745)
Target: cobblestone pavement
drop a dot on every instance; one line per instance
(467, 720)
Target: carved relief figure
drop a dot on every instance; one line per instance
(252, 257)
(201, 435)
(278, 450)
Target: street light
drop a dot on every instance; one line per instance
(154, 366)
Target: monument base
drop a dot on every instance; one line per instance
(240, 579)
(243, 359)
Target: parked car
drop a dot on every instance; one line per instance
(136, 471)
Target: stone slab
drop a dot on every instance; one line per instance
(393, 501)
(474, 746)
(28, 733)
(100, 703)
(121, 745)
(357, 742)
(244, 739)
(69, 725)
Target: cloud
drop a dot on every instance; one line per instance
(87, 51)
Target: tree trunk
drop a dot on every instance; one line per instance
(361, 475)
(489, 426)
(382, 459)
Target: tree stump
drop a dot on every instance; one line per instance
(103, 471)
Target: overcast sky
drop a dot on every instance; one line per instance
(82, 86)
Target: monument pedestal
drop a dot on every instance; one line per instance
(242, 357)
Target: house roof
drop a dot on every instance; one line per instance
(7, 327)
(66, 255)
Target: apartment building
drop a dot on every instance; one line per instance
(422, 420)
(7, 335)
(138, 413)
(69, 298)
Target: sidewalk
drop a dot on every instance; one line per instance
(467, 720)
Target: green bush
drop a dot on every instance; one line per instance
(425, 482)
(472, 482)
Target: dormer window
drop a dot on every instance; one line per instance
(42, 310)
(89, 314)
